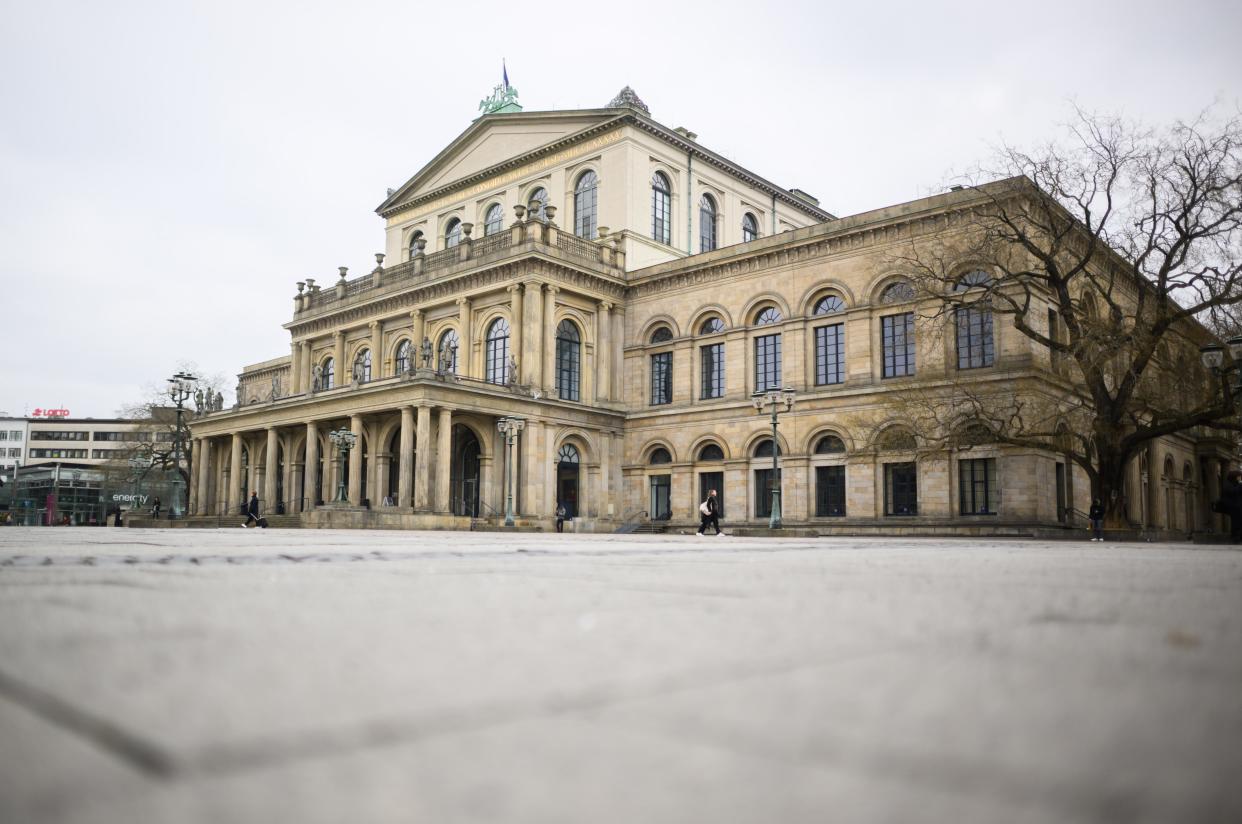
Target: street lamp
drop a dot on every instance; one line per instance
(181, 388)
(139, 466)
(774, 399)
(1213, 357)
(509, 427)
(342, 439)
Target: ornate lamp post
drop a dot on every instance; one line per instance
(774, 399)
(343, 440)
(509, 427)
(138, 468)
(1213, 357)
(181, 388)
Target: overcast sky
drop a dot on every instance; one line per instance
(169, 170)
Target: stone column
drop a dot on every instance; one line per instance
(485, 485)
(204, 478)
(465, 341)
(308, 368)
(603, 351)
(191, 492)
(531, 469)
(234, 505)
(405, 471)
(355, 461)
(515, 324)
(618, 353)
(444, 459)
(343, 373)
(297, 484)
(312, 464)
(419, 331)
(604, 493)
(548, 339)
(286, 443)
(377, 351)
(270, 464)
(422, 461)
(530, 361)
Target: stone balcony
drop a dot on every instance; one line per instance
(544, 238)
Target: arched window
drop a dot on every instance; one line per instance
(660, 455)
(978, 277)
(763, 449)
(452, 233)
(568, 360)
(584, 205)
(568, 454)
(829, 445)
(404, 350)
(498, 352)
(711, 452)
(362, 366)
(446, 351)
(897, 440)
(711, 326)
(413, 247)
(768, 316)
(750, 228)
(707, 223)
(662, 335)
(661, 209)
(898, 292)
(539, 196)
(329, 373)
(828, 305)
(494, 221)
(975, 346)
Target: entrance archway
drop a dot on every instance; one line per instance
(568, 464)
(464, 473)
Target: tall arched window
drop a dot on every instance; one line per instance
(661, 209)
(404, 351)
(498, 352)
(711, 452)
(750, 228)
(768, 352)
(568, 360)
(975, 346)
(829, 343)
(707, 223)
(584, 205)
(329, 373)
(763, 449)
(660, 455)
(446, 351)
(539, 196)
(362, 366)
(711, 326)
(452, 233)
(413, 247)
(494, 221)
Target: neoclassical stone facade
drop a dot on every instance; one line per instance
(623, 291)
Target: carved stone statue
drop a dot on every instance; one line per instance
(316, 378)
(219, 401)
(357, 371)
(426, 353)
(198, 402)
(275, 387)
(512, 370)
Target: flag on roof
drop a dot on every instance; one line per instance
(505, 71)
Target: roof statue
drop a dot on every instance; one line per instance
(627, 97)
(504, 97)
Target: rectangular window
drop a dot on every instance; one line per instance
(60, 435)
(767, 362)
(830, 491)
(15, 453)
(830, 354)
(568, 369)
(897, 338)
(713, 371)
(661, 378)
(4, 435)
(974, 338)
(661, 500)
(763, 492)
(901, 489)
(977, 483)
(116, 436)
(15, 435)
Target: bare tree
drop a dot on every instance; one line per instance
(1115, 253)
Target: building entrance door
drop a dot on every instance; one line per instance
(464, 476)
(568, 462)
(709, 481)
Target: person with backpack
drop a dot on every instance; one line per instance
(252, 510)
(560, 517)
(1096, 516)
(709, 513)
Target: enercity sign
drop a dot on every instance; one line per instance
(50, 413)
(119, 498)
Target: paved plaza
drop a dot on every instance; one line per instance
(329, 676)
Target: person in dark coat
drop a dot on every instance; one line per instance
(560, 517)
(709, 513)
(252, 510)
(1231, 495)
(155, 510)
(1096, 516)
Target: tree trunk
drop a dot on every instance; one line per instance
(1109, 486)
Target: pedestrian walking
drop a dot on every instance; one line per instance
(1231, 496)
(709, 513)
(116, 517)
(155, 508)
(252, 510)
(1096, 516)
(560, 517)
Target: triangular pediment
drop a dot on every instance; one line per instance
(493, 140)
